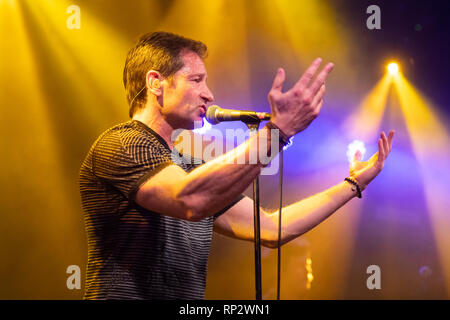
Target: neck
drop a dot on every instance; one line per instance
(156, 122)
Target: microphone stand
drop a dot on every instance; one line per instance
(254, 126)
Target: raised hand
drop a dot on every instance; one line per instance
(295, 109)
(365, 171)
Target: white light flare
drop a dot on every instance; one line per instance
(393, 68)
(354, 146)
(206, 126)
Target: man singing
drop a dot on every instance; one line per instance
(149, 221)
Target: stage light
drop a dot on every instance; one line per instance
(392, 68)
(309, 274)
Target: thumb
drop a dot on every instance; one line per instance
(357, 156)
(279, 80)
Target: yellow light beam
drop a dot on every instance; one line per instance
(430, 143)
(223, 29)
(364, 123)
(38, 199)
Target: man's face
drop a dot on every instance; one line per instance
(185, 98)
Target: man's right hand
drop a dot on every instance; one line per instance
(295, 109)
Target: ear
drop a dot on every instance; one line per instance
(153, 82)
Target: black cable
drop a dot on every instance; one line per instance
(256, 223)
(279, 225)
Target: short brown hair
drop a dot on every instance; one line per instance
(158, 51)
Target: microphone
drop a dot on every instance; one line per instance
(216, 114)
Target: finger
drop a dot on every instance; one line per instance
(381, 154)
(319, 107)
(357, 156)
(279, 80)
(320, 79)
(390, 138)
(308, 75)
(318, 97)
(385, 143)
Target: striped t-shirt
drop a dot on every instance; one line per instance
(134, 253)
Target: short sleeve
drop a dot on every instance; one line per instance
(124, 162)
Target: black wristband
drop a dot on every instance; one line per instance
(284, 138)
(353, 182)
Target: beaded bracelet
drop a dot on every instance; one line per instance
(284, 138)
(353, 182)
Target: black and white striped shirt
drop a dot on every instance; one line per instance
(135, 253)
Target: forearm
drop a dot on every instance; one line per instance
(210, 187)
(304, 215)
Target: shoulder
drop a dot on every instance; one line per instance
(129, 137)
(129, 144)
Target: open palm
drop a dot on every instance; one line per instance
(365, 171)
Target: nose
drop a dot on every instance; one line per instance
(207, 95)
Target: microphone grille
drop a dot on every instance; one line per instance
(211, 114)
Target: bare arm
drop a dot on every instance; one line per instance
(202, 192)
(213, 185)
(297, 218)
(303, 215)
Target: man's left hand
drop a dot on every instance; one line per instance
(365, 171)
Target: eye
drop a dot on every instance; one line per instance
(198, 80)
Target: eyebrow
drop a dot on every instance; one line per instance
(203, 75)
